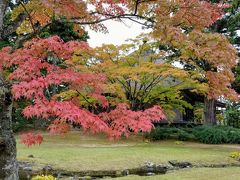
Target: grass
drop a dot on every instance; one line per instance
(232, 173)
(78, 152)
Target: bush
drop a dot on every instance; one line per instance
(204, 134)
(217, 134)
(185, 136)
(233, 119)
(235, 155)
(234, 137)
(161, 133)
(44, 178)
(211, 135)
(233, 115)
(233, 134)
(158, 134)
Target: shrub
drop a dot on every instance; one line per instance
(158, 134)
(161, 133)
(234, 137)
(211, 135)
(185, 136)
(179, 142)
(43, 178)
(233, 134)
(235, 155)
(204, 134)
(217, 134)
(233, 115)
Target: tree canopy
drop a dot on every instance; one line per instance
(67, 80)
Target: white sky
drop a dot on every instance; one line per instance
(118, 33)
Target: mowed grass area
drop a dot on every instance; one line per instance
(79, 152)
(231, 173)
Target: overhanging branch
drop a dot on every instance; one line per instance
(132, 17)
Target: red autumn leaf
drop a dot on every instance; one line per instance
(30, 139)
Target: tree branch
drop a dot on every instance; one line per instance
(19, 42)
(131, 17)
(28, 14)
(10, 29)
(136, 7)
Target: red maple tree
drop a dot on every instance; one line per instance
(29, 81)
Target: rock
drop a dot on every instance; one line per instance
(75, 177)
(125, 172)
(30, 156)
(175, 163)
(149, 164)
(59, 175)
(150, 174)
(27, 168)
(149, 168)
(161, 168)
(47, 169)
(24, 164)
(185, 165)
(86, 178)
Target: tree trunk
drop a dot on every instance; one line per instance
(210, 111)
(8, 163)
(3, 7)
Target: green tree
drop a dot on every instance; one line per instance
(138, 73)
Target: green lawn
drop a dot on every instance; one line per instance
(232, 173)
(78, 152)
